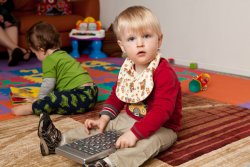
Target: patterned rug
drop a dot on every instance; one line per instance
(208, 125)
(215, 132)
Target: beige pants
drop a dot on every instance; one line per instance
(135, 156)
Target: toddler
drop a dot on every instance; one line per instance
(147, 88)
(66, 87)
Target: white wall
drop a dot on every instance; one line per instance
(213, 33)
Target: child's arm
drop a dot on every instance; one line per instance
(47, 86)
(113, 105)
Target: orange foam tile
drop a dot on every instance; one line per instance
(228, 89)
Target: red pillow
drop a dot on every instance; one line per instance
(54, 7)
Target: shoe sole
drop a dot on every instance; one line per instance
(40, 127)
(45, 147)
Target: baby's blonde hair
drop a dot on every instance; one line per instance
(138, 19)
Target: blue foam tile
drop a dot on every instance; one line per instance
(5, 92)
(7, 75)
(29, 71)
(245, 105)
(4, 110)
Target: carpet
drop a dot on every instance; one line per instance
(215, 126)
(208, 126)
(213, 134)
(19, 144)
(210, 131)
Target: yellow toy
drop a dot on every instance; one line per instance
(89, 24)
(199, 83)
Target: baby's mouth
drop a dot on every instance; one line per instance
(141, 52)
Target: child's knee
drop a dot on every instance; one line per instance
(167, 137)
(40, 106)
(36, 108)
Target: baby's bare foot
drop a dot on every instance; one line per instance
(25, 109)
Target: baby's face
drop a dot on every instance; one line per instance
(141, 47)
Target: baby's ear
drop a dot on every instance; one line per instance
(160, 40)
(121, 46)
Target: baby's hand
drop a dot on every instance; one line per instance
(30, 99)
(100, 123)
(126, 140)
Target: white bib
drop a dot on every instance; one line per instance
(133, 87)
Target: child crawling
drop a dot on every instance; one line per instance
(66, 87)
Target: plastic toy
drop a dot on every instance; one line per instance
(193, 65)
(88, 24)
(199, 83)
(90, 30)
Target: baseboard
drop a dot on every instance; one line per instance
(218, 68)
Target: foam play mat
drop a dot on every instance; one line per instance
(103, 71)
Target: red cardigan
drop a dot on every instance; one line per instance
(164, 104)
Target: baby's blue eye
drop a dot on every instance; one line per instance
(131, 38)
(147, 36)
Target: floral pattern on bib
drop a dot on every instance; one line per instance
(133, 87)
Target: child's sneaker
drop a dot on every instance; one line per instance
(50, 137)
(98, 163)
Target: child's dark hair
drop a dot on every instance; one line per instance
(43, 35)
